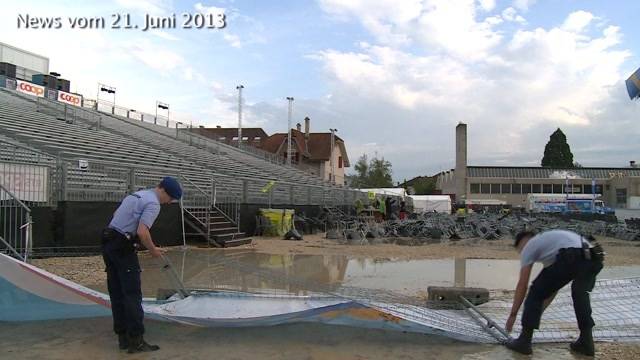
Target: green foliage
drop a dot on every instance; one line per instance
(379, 174)
(375, 173)
(425, 186)
(557, 153)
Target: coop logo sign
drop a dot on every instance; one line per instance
(29, 88)
(70, 99)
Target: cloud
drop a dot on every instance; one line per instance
(155, 56)
(487, 5)
(510, 14)
(451, 26)
(513, 89)
(232, 39)
(151, 7)
(577, 21)
(523, 5)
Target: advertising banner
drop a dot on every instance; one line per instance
(71, 99)
(29, 88)
(26, 182)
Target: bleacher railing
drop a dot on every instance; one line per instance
(70, 180)
(15, 216)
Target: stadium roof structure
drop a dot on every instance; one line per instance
(549, 173)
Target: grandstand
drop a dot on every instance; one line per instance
(90, 157)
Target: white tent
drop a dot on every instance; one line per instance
(429, 203)
(387, 191)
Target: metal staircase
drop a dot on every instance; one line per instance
(212, 216)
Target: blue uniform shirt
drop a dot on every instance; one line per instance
(140, 207)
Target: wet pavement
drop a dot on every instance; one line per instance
(92, 338)
(295, 273)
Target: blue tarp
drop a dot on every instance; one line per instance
(633, 85)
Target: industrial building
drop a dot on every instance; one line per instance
(618, 186)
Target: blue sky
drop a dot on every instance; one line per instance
(393, 77)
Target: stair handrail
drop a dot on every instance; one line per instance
(232, 212)
(27, 225)
(207, 221)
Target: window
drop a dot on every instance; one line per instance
(536, 188)
(516, 188)
(474, 188)
(599, 189)
(245, 138)
(485, 188)
(505, 188)
(339, 162)
(222, 138)
(586, 189)
(557, 188)
(572, 189)
(257, 138)
(547, 188)
(621, 196)
(526, 188)
(495, 188)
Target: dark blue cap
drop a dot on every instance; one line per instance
(172, 187)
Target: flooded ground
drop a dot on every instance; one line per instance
(298, 268)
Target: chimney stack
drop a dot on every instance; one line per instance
(307, 124)
(632, 163)
(218, 127)
(461, 163)
(299, 127)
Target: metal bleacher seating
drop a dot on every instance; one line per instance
(127, 154)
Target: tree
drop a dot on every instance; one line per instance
(379, 175)
(375, 173)
(425, 186)
(359, 179)
(557, 153)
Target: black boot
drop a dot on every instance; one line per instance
(123, 341)
(137, 344)
(523, 343)
(584, 344)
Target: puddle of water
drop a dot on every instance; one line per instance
(297, 273)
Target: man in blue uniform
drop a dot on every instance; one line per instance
(129, 228)
(566, 257)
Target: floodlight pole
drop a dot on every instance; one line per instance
(290, 99)
(240, 87)
(332, 176)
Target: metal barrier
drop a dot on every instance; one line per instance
(68, 113)
(28, 174)
(15, 218)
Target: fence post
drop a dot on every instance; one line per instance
(212, 196)
(132, 180)
(245, 191)
(63, 181)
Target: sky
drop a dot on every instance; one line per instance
(394, 77)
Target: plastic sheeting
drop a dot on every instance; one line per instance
(281, 221)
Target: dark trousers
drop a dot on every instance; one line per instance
(123, 282)
(570, 265)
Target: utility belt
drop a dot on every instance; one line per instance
(121, 242)
(571, 255)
